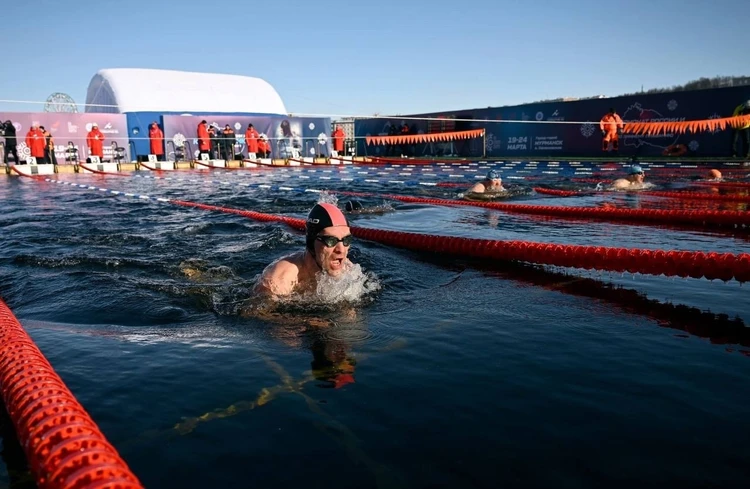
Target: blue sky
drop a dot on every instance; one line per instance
(384, 56)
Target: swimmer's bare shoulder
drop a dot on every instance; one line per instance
(621, 183)
(280, 277)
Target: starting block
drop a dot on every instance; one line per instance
(100, 167)
(34, 169)
(160, 165)
(206, 164)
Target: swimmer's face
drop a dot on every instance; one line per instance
(637, 177)
(332, 259)
(495, 183)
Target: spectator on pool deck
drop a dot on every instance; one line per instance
(338, 140)
(156, 141)
(264, 147)
(610, 124)
(35, 140)
(228, 140)
(204, 139)
(49, 147)
(95, 141)
(633, 181)
(251, 140)
(492, 183)
(8, 131)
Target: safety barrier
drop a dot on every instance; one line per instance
(63, 446)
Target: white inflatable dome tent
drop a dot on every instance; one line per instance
(129, 90)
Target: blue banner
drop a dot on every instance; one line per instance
(568, 129)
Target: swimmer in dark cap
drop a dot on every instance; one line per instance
(353, 206)
(634, 180)
(328, 238)
(492, 183)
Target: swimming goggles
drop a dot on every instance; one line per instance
(331, 241)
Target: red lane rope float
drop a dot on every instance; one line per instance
(709, 265)
(63, 446)
(561, 193)
(647, 216)
(724, 184)
(696, 196)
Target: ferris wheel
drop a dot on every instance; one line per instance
(60, 102)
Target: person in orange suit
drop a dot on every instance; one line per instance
(204, 139)
(610, 124)
(156, 140)
(338, 140)
(36, 141)
(264, 147)
(251, 140)
(95, 141)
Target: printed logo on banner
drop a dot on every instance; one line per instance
(637, 113)
(72, 128)
(588, 129)
(540, 116)
(490, 142)
(556, 116)
(672, 104)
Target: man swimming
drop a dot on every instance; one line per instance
(492, 183)
(328, 238)
(634, 180)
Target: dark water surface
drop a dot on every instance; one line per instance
(448, 373)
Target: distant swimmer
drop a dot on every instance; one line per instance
(493, 182)
(356, 207)
(714, 175)
(328, 238)
(634, 180)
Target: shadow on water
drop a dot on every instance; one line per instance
(19, 474)
(718, 328)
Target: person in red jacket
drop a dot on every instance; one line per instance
(264, 147)
(251, 140)
(204, 139)
(95, 141)
(156, 140)
(610, 124)
(338, 140)
(36, 142)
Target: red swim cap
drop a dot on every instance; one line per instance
(322, 216)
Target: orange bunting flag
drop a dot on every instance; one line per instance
(425, 138)
(680, 127)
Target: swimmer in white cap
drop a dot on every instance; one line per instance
(634, 180)
(328, 238)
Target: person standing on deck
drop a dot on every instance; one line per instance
(610, 124)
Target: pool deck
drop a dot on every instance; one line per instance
(185, 165)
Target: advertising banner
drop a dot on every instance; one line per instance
(289, 136)
(70, 127)
(571, 129)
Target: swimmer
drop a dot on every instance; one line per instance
(492, 183)
(714, 175)
(353, 206)
(328, 238)
(356, 207)
(633, 181)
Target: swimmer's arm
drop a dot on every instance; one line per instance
(278, 281)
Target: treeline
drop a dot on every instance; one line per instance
(699, 84)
